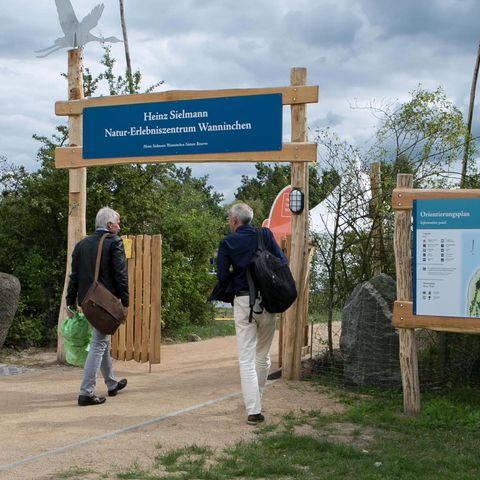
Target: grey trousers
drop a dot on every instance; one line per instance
(98, 358)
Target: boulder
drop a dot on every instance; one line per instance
(369, 344)
(9, 294)
(192, 337)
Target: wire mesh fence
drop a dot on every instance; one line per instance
(444, 359)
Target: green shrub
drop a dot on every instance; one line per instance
(25, 331)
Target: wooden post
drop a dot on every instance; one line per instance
(294, 320)
(77, 189)
(375, 186)
(403, 265)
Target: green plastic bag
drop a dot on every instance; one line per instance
(76, 333)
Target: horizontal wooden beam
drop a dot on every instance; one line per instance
(290, 96)
(403, 317)
(402, 198)
(71, 157)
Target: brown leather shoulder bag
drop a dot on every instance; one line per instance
(103, 310)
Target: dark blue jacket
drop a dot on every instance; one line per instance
(236, 250)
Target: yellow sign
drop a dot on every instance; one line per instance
(127, 245)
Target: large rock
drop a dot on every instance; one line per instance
(369, 344)
(9, 294)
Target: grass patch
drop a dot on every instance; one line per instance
(372, 439)
(322, 317)
(223, 313)
(214, 328)
(192, 459)
(74, 472)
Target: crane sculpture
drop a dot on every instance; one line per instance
(76, 34)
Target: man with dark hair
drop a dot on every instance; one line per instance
(254, 338)
(114, 276)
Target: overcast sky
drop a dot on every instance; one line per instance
(356, 51)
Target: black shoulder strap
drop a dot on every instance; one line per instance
(260, 242)
(252, 290)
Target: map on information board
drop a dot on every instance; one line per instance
(446, 257)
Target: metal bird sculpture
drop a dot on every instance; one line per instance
(76, 34)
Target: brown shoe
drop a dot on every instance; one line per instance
(255, 419)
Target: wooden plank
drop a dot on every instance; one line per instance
(138, 297)
(71, 157)
(122, 338)
(306, 350)
(156, 299)
(290, 95)
(403, 317)
(130, 325)
(147, 261)
(402, 198)
(403, 265)
(114, 346)
(121, 335)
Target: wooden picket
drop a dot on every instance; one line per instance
(139, 338)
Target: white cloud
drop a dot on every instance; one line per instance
(355, 50)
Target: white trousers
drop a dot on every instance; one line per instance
(253, 345)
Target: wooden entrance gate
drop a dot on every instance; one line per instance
(139, 338)
(298, 151)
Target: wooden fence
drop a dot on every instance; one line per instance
(139, 338)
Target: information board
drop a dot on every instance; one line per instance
(215, 125)
(446, 257)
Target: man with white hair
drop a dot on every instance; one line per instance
(254, 338)
(113, 275)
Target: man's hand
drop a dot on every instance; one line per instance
(70, 313)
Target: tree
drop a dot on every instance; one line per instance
(261, 191)
(467, 154)
(127, 50)
(152, 199)
(427, 133)
(343, 245)
(33, 237)
(423, 136)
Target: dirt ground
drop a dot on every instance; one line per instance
(192, 397)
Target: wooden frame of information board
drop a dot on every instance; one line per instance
(403, 317)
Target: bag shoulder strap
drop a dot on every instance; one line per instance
(252, 290)
(260, 241)
(99, 256)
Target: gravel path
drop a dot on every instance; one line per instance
(192, 397)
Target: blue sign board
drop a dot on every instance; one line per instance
(446, 257)
(215, 125)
